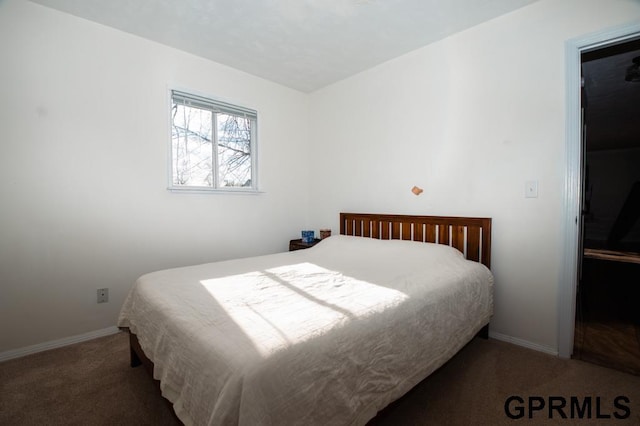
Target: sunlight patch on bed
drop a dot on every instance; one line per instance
(289, 304)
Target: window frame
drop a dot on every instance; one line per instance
(225, 107)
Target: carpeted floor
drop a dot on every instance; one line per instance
(91, 383)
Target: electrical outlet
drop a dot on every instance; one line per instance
(103, 295)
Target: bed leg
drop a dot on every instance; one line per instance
(134, 358)
(484, 332)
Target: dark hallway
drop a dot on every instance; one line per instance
(608, 323)
(608, 302)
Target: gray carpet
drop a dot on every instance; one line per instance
(91, 383)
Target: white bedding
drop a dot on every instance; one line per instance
(326, 335)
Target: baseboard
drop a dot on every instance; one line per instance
(523, 343)
(17, 353)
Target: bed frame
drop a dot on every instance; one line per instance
(470, 235)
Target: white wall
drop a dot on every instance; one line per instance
(83, 199)
(470, 119)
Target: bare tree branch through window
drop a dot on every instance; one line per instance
(211, 145)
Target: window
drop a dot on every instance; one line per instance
(213, 144)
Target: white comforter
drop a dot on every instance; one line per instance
(328, 335)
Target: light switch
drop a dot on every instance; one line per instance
(531, 189)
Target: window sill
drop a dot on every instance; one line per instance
(196, 190)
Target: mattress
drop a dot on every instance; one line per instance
(327, 335)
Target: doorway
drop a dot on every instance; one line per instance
(607, 321)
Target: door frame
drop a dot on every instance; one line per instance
(573, 173)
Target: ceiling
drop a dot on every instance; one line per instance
(302, 44)
(611, 103)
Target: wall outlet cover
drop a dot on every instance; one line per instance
(103, 295)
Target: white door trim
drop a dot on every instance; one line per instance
(573, 174)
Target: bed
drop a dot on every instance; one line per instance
(327, 335)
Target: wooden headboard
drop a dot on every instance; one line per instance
(470, 235)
